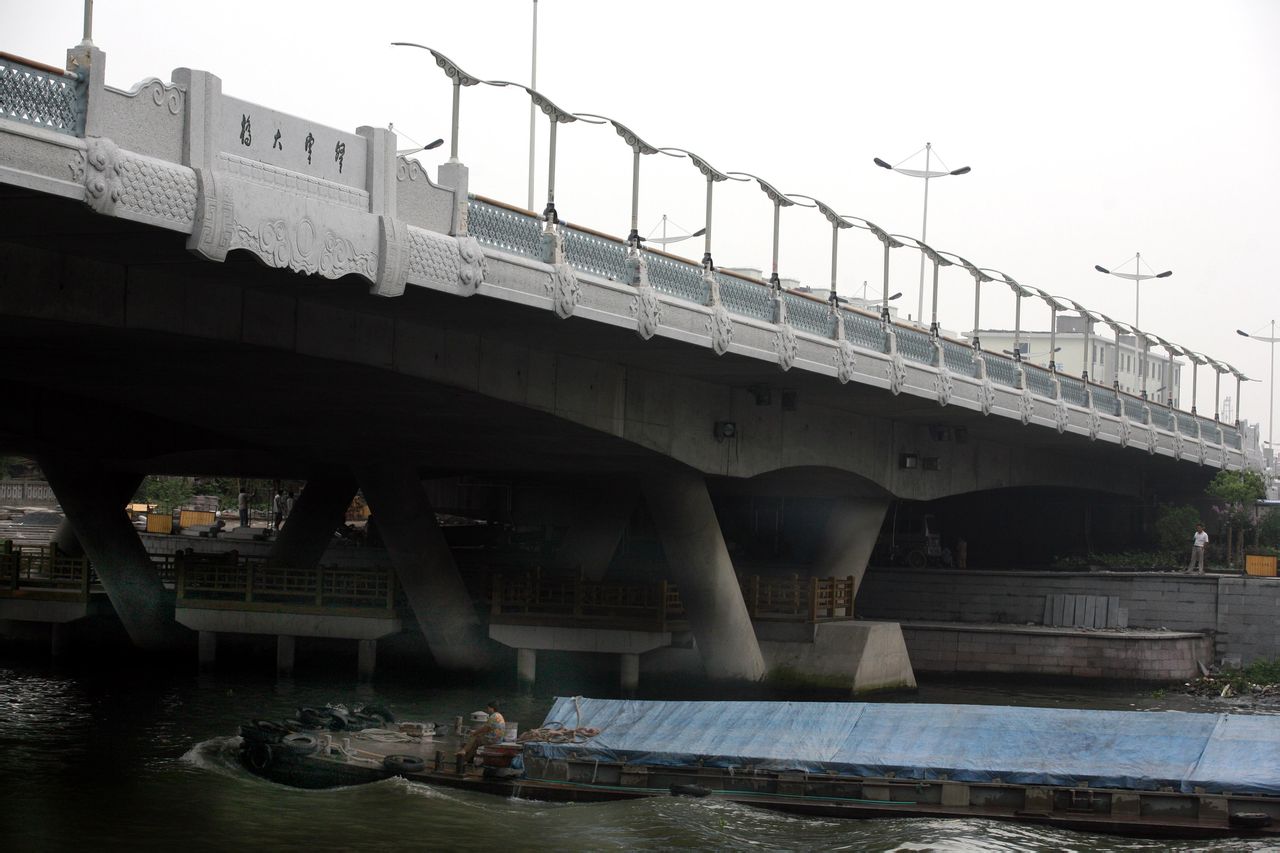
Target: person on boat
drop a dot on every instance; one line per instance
(493, 730)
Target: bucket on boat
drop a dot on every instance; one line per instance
(509, 734)
(479, 716)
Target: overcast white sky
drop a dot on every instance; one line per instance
(1094, 129)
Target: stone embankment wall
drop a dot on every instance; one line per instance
(1241, 613)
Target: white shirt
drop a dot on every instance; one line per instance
(1201, 539)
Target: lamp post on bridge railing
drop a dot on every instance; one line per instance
(889, 242)
(1019, 291)
(1271, 398)
(780, 200)
(978, 278)
(459, 77)
(929, 252)
(638, 147)
(837, 222)
(713, 176)
(1089, 318)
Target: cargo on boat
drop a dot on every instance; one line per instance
(1146, 773)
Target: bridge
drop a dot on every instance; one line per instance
(193, 282)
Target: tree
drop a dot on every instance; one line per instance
(1174, 526)
(1233, 494)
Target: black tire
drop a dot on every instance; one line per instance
(689, 791)
(917, 559)
(379, 711)
(400, 764)
(259, 756)
(263, 731)
(1250, 820)
(300, 744)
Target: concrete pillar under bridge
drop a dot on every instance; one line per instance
(849, 537)
(90, 496)
(699, 564)
(424, 565)
(592, 539)
(319, 511)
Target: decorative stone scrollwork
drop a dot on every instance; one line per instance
(637, 268)
(1126, 432)
(1203, 455)
(214, 224)
(563, 287)
(394, 252)
(1026, 406)
(102, 177)
(986, 396)
(786, 346)
(77, 166)
(471, 267)
(1153, 437)
(162, 94)
(720, 327)
(305, 247)
(1061, 415)
(846, 362)
(1095, 424)
(943, 385)
(1179, 444)
(896, 370)
(647, 310)
(411, 170)
(157, 190)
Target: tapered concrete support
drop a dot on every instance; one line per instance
(526, 669)
(425, 567)
(285, 648)
(849, 538)
(366, 659)
(700, 566)
(630, 666)
(318, 512)
(591, 541)
(124, 486)
(60, 639)
(90, 497)
(207, 649)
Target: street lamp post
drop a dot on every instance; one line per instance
(460, 78)
(713, 176)
(926, 174)
(933, 255)
(889, 243)
(837, 222)
(780, 200)
(1137, 277)
(638, 147)
(1019, 292)
(978, 278)
(1271, 399)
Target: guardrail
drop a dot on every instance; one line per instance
(228, 582)
(41, 95)
(534, 600)
(515, 231)
(43, 571)
(798, 599)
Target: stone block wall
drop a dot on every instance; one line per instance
(1243, 613)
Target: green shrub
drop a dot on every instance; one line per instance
(1175, 525)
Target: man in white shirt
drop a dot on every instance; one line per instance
(1198, 542)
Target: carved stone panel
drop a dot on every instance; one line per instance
(647, 310)
(846, 362)
(720, 327)
(563, 287)
(943, 385)
(896, 370)
(1026, 406)
(1061, 415)
(786, 346)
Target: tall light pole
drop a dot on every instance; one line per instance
(1271, 401)
(1137, 277)
(533, 109)
(926, 174)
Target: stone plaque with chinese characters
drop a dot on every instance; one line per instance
(257, 133)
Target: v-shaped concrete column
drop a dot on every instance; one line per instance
(91, 498)
(850, 536)
(700, 566)
(424, 565)
(319, 511)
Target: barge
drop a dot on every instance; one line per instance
(1126, 772)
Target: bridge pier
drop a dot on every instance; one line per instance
(629, 664)
(526, 669)
(89, 495)
(849, 537)
(424, 566)
(366, 660)
(699, 564)
(591, 541)
(286, 647)
(319, 511)
(207, 650)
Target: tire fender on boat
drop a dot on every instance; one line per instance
(404, 764)
(300, 743)
(1250, 820)
(259, 755)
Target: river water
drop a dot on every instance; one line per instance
(103, 758)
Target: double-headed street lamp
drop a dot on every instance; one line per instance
(780, 200)
(1137, 277)
(837, 222)
(925, 174)
(1271, 400)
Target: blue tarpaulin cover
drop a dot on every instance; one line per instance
(1138, 750)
